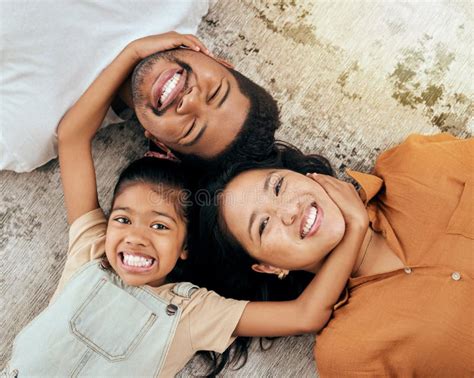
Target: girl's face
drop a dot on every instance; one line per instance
(283, 219)
(145, 235)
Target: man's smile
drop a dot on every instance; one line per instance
(167, 87)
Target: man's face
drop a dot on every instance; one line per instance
(189, 102)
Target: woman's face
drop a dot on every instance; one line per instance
(282, 218)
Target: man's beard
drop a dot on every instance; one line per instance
(144, 67)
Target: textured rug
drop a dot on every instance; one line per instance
(352, 79)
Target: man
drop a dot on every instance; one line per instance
(202, 109)
(45, 70)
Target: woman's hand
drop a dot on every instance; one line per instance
(146, 46)
(345, 197)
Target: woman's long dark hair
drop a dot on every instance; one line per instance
(223, 265)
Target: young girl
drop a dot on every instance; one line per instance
(115, 311)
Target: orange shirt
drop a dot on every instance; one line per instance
(416, 321)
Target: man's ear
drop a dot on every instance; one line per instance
(169, 154)
(160, 144)
(269, 269)
(224, 62)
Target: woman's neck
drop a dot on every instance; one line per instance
(375, 256)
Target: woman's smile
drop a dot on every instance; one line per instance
(311, 221)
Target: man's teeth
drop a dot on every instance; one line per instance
(169, 86)
(137, 261)
(313, 213)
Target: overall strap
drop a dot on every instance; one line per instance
(184, 289)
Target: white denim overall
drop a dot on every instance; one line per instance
(99, 326)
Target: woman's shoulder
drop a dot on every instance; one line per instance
(421, 153)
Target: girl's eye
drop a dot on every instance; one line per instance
(122, 220)
(159, 226)
(263, 225)
(278, 186)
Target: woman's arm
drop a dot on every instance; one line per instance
(312, 309)
(80, 124)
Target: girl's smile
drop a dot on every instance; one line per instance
(136, 263)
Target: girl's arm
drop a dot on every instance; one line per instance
(80, 124)
(310, 312)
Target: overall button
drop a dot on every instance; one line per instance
(171, 309)
(407, 270)
(456, 276)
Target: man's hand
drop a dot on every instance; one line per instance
(345, 197)
(146, 46)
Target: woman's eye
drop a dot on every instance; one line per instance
(122, 220)
(263, 225)
(278, 186)
(159, 226)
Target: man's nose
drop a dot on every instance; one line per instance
(191, 101)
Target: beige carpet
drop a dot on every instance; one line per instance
(352, 78)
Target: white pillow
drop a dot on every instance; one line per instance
(52, 50)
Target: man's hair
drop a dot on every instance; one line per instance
(256, 138)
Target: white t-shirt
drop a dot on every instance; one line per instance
(51, 51)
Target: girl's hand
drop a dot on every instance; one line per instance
(346, 198)
(146, 46)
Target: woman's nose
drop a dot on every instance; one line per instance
(288, 214)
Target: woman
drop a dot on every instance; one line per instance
(408, 306)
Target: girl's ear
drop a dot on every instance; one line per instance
(184, 252)
(269, 269)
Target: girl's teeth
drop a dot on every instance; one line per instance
(137, 261)
(169, 86)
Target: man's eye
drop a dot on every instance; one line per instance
(263, 225)
(278, 186)
(215, 93)
(159, 226)
(122, 220)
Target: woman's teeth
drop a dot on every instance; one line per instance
(313, 213)
(169, 86)
(138, 261)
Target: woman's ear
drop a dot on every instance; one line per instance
(269, 269)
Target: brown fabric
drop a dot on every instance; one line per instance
(417, 321)
(207, 319)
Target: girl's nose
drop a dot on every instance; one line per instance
(136, 238)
